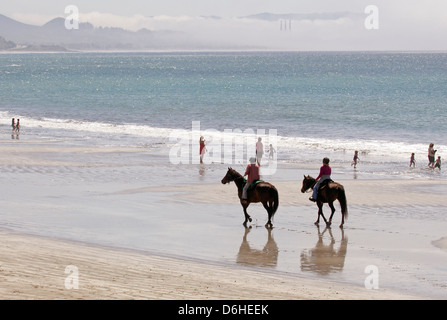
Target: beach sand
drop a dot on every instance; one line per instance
(34, 266)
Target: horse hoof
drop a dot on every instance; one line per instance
(316, 223)
(249, 219)
(341, 226)
(245, 224)
(328, 224)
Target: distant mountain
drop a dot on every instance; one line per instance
(54, 34)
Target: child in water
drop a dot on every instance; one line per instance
(355, 159)
(412, 161)
(438, 163)
(271, 151)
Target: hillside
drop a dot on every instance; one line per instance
(6, 45)
(53, 34)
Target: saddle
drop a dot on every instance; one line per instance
(253, 184)
(324, 183)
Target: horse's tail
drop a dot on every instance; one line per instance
(343, 203)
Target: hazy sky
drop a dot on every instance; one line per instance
(402, 24)
(183, 7)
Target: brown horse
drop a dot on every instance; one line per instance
(263, 192)
(328, 194)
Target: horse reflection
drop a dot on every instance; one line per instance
(324, 258)
(267, 257)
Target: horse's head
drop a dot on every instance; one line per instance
(230, 176)
(308, 182)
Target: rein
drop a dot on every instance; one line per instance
(237, 177)
(240, 178)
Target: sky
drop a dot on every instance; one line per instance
(393, 25)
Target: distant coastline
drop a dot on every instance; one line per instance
(10, 46)
(53, 36)
(37, 48)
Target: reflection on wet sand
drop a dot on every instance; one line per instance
(202, 171)
(323, 259)
(267, 257)
(440, 243)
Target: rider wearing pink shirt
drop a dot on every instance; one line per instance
(252, 172)
(325, 173)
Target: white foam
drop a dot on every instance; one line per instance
(290, 147)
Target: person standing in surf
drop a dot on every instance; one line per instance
(202, 148)
(438, 163)
(412, 161)
(259, 150)
(355, 159)
(271, 151)
(431, 155)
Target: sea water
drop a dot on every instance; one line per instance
(386, 105)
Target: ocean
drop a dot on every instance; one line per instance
(386, 105)
(104, 135)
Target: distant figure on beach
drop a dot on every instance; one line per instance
(355, 159)
(271, 151)
(14, 128)
(252, 173)
(438, 163)
(17, 128)
(431, 155)
(412, 161)
(325, 173)
(202, 148)
(259, 150)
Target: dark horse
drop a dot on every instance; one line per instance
(262, 192)
(328, 194)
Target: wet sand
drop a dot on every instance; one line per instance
(373, 193)
(40, 268)
(78, 206)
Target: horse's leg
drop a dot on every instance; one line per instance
(317, 223)
(247, 216)
(269, 211)
(320, 213)
(331, 205)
